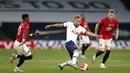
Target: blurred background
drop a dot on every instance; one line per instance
(44, 12)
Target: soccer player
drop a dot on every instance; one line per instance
(23, 51)
(107, 25)
(73, 30)
(84, 38)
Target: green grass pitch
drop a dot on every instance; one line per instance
(45, 61)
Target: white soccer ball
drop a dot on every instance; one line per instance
(84, 67)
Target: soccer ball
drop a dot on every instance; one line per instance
(84, 67)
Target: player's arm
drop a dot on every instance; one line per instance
(93, 34)
(34, 34)
(23, 37)
(117, 33)
(53, 25)
(96, 28)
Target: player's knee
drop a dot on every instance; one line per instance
(102, 49)
(108, 47)
(76, 51)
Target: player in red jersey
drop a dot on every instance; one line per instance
(23, 51)
(107, 25)
(84, 38)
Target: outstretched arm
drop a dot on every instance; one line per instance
(96, 28)
(34, 34)
(53, 25)
(117, 33)
(93, 34)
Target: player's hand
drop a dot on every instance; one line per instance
(99, 36)
(36, 34)
(48, 26)
(116, 37)
(21, 44)
(23, 41)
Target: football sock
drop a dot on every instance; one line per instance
(106, 56)
(84, 48)
(75, 57)
(29, 57)
(66, 63)
(21, 60)
(99, 53)
(18, 56)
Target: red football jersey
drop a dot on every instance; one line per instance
(24, 26)
(83, 22)
(107, 27)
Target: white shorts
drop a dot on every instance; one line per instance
(84, 39)
(103, 43)
(23, 49)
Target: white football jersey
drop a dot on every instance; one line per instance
(72, 31)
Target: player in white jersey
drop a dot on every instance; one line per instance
(73, 30)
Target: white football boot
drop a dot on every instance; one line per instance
(16, 69)
(102, 65)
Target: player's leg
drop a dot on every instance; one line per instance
(67, 63)
(74, 53)
(25, 54)
(19, 49)
(13, 56)
(100, 51)
(75, 58)
(84, 48)
(69, 46)
(106, 56)
(85, 42)
(20, 56)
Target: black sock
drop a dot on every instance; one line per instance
(106, 56)
(29, 57)
(18, 56)
(21, 60)
(99, 53)
(84, 48)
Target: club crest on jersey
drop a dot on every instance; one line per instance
(75, 32)
(111, 25)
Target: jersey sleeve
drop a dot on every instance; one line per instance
(66, 24)
(101, 22)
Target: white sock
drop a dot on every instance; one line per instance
(15, 56)
(66, 63)
(75, 57)
(16, 67)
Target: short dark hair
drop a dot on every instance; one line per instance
(112, 11)
(24, 16)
